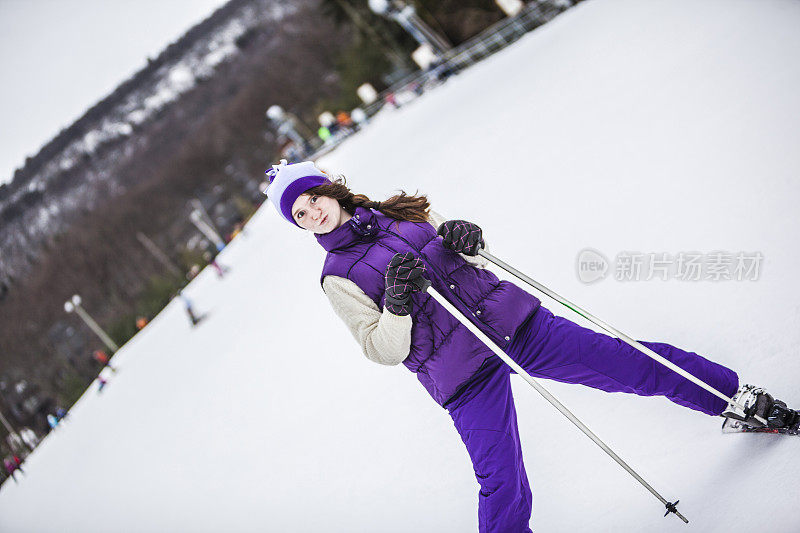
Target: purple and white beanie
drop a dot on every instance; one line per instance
(288, 181)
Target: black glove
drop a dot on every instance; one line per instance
(404, 275)
(461, 236)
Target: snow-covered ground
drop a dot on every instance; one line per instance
(623, 126)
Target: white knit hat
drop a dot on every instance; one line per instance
(288, 181)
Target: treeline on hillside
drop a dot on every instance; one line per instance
(214, 142)
(79, 127)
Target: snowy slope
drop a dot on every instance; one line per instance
(657, 126)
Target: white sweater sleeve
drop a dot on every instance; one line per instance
(384, 337)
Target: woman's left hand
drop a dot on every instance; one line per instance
(404, 274)
(461, 236)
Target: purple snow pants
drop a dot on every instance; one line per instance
(552, 347)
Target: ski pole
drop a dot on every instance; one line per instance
(671, 507)
(585, 314)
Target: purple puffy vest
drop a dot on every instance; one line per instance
(444, 354)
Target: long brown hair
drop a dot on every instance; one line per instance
(413, 208)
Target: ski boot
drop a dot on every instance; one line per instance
(748, 403)
(781, 417)
(756, 402)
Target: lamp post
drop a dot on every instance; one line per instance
(405, 15)
(13, 440)
(7, 425)
(162, 258)
(197, 219)
(286, 125)
(198, 206)
(74, 304)
(510, 7)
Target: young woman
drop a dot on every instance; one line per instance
(378, 253)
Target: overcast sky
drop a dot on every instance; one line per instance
(60, 57)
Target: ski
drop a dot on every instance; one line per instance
(729, 425)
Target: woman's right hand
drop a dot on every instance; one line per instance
(404, 275)
(461, 236)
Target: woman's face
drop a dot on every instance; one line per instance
(318, 214)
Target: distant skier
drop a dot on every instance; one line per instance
(29, 437)
(379, 257)
(101, 383)
(13, 464)
(324, 133)
(52, 421)
(15, 442)
(9, 468)
(193, 317)
(102, 357)
(238, 229)
(344, 120)
(211, 259)
(194, 270)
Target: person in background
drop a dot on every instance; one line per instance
(210, 257)
(193, 272)
(8, 469)
(15, 443)
(29, 437)
(4, 454)
(13, 464)
(237, 230)
(187, 304)
(61, 413)
(102, 357)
